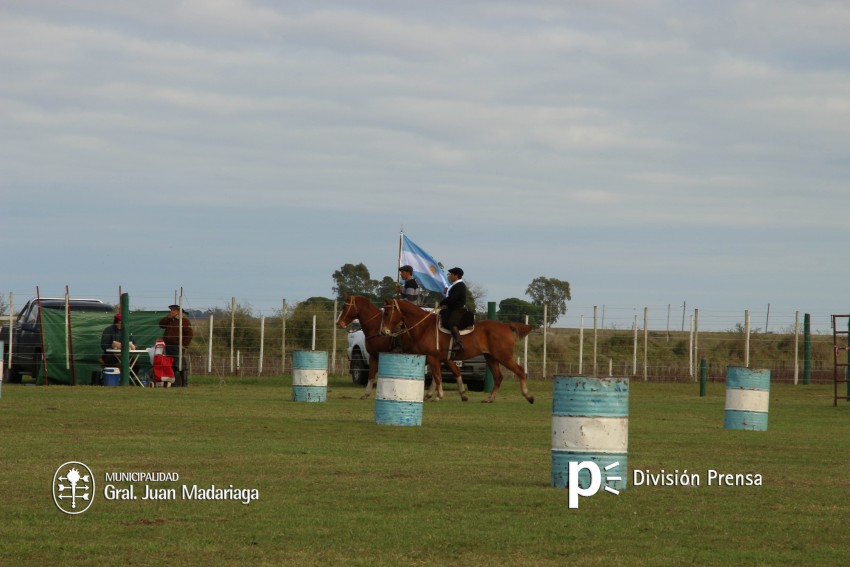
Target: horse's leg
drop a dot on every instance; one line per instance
(373, 373)
(496, 371)
(459, 379)
(514, 367)
(436, 378)
(430, 393)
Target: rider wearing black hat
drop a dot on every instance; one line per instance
(454, 304)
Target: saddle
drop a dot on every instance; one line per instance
(467, 322)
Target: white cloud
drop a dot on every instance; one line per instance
(581, 116)
(596, 197)
(228, 15)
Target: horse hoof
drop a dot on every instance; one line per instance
(486, 401)
(464, 398)
(364, 397)
(530, 399)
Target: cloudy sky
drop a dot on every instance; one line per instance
(651, 153)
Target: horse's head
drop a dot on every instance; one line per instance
(349, 313)
(392, 316)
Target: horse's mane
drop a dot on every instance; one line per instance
(365, 307)
(410, 306)
(362, 301)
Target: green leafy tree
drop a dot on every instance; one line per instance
(246, 327)
(354, 280)
(299, 326)
(514, 309)
(386, 288)
(552, 292)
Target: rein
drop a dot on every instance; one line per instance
(407, 329)
(352, 304)
(378, 314)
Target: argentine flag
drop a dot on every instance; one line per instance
(425, 269)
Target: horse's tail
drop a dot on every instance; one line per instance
(521, 330)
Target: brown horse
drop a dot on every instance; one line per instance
(493, 339)
(358, 307)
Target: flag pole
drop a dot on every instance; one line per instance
(398, 263)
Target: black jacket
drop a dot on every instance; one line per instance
(456, 299)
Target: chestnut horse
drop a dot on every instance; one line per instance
(493, 339)
(358, 307)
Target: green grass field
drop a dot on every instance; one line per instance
(471, 486)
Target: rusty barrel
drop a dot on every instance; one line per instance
(590, 422)
(400, 389)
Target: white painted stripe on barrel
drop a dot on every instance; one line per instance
(747, 400)
(309, 377)
(582, 433)
(404, 390)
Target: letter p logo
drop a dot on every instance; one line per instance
(575, 490)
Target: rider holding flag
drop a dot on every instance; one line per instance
(410, 290)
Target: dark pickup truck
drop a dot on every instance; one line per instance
(26, 334)
(472, 370)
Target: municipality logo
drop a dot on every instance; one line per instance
(73, 487)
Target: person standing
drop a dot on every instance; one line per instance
(173, 323)
(410, 290)
(455, 305)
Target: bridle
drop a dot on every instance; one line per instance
(351, 304)
(406, 329)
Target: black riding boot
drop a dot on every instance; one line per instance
(457, 345)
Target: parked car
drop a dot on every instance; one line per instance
(358, 356)
(472, 370)
(27, 356)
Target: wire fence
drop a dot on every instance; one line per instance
(656, 344)
(654, 355)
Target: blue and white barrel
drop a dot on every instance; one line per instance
(309, 376)
(747, 398)
(590, 422)
(400, 389)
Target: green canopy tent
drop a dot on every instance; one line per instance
(83, 351)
